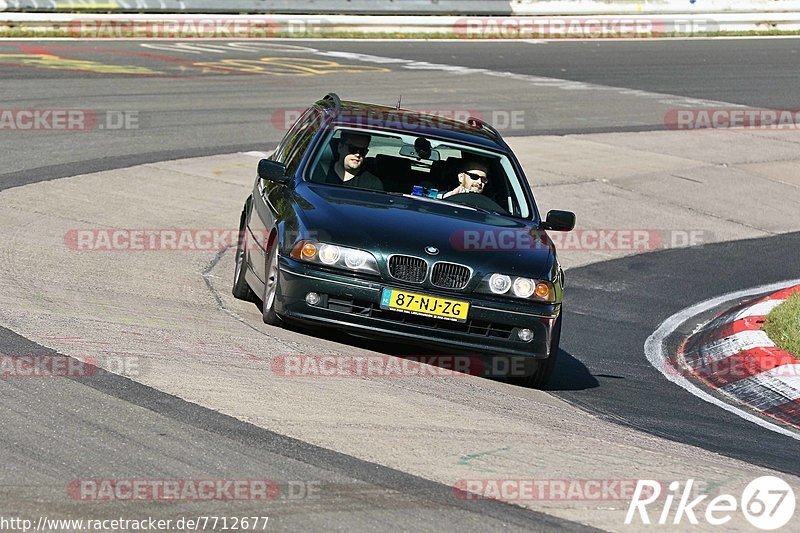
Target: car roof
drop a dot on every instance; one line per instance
(374, 116)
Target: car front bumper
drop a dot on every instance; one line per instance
(353, 305)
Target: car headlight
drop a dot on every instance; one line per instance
(356, 259)
(518, 287)
(524, 287)
(329, 254)
(499, 283)
(336, 256)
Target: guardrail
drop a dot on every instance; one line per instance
(411, 7)
(650, 7)
(429, 7)
(260, 26)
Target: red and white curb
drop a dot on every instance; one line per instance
(734, 356)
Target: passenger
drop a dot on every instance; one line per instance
(472, 179)
(348, 170)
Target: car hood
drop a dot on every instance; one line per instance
(392, 224)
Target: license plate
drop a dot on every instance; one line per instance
(420, 304)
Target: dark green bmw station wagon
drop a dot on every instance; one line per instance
(394, 224)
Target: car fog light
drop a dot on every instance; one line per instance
(499, 284)
(525, 335)
(329, 254)
(312, 298)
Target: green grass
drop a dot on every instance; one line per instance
(783, 325)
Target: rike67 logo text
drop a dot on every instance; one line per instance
(768, 503)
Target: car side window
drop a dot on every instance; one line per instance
(300, 145)
(291, 138)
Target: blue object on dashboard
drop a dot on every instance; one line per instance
(433, 193)
(417, 190)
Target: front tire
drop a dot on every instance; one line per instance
(271, 288)
(241, 289)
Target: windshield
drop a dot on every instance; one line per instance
(417, 166)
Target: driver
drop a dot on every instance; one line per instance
(348, 170)
(473, 178)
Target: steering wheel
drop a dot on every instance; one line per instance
(474, 199)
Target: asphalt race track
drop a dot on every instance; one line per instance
(573, 111)
(228, 112)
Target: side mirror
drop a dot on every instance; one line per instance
(272, 171)
(559, 221)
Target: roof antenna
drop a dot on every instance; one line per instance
(399, 101)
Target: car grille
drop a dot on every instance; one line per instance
(450, 276)
(408, 268)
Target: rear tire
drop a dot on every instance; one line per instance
(241, 289)
(544, 369)
(271, 288)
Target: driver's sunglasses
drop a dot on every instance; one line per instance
(475, 176)
(353, 149)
